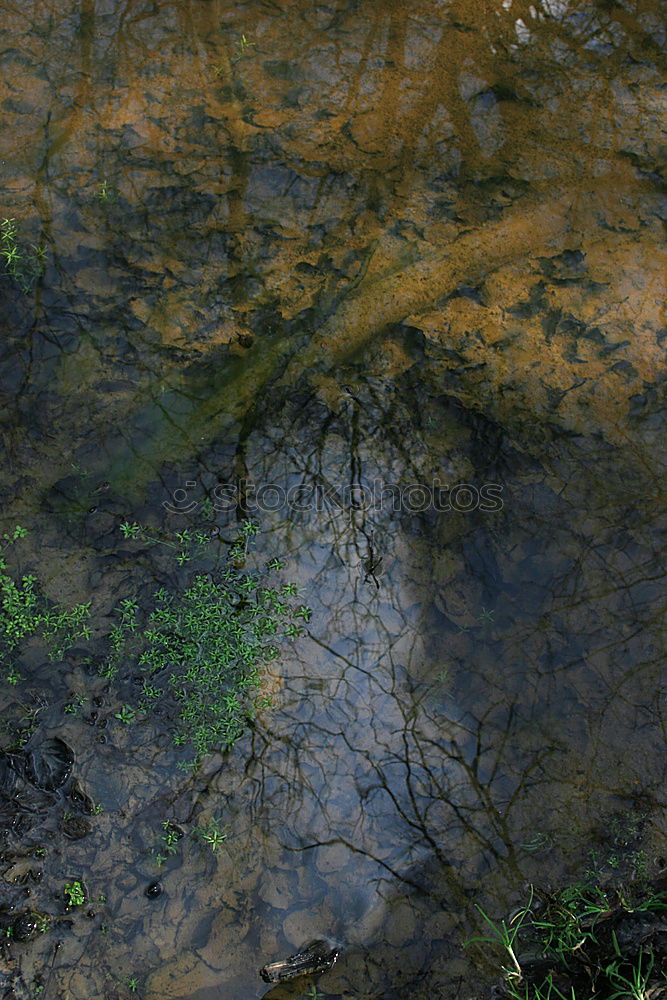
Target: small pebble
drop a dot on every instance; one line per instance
(153, 890)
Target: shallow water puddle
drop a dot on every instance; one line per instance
(390, 283)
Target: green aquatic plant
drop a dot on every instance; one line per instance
(570, 918)
(106, 194)
(486, 615)
(187, 543)
(198, 644)
(72, 707)
(25, 613)
(634, 983)
(536, 842)
(171, 835)
(313, 994)
(213, 834)
(17, 533)
(574, 933)
(24, 266)
(130, 530)
(126, 714)
(505, 934)
(75, 893)
(201, 647)
(244, 45)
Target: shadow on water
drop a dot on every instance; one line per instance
(389, 283)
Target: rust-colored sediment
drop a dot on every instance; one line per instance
(536, 228)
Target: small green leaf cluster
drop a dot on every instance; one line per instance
(76, 702)
(212, 834)
(25, 612)
(126, 625)
(25, 267)
(127, 714)
(106, 194)
(75, 894)
(171, 835)
(187, 542)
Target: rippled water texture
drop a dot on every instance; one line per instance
(357, 248)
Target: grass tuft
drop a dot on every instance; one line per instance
(567, 946)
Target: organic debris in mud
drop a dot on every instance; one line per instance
(29, 924)
(46, 766)
(316, 956)
(75, 827)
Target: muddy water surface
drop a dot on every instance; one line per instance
(367, 253)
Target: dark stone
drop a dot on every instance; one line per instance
(25, 926)
(153, 890)
(76, 827)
